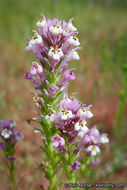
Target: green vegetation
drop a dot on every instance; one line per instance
(101, 72)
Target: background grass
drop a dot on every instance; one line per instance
(101, 77)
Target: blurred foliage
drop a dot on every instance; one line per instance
(102, 27)
(116, 54)
(17, 17)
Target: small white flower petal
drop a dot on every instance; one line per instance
(13, 124)
(41, 23)
(56, 56)
(50, 117)
(29, 47)
(104, 139)
(97, 149)
(69, 114)
(93, 153)
(81, 134)
(64, 117)
(56, 30)
(89, 114)
(71, 27)
(73, 56)
(84, 128)
(73, 41)
(94, 150)
(77, 126)
(33, 72)
(37, 39)
(90, 148)
(6, 133)
(60, 52)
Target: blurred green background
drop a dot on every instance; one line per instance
(101, 77)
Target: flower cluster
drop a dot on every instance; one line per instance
(9, 137)
(71, 122)
(54, 45)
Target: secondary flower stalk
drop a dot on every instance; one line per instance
(9, 136)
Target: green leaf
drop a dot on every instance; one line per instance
(36, 130)
(44, 141)
(44, 150)
(59, 173)
(71, 146)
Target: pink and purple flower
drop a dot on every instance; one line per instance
(75, 165)
(9, 137)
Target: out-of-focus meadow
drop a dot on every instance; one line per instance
(101, 79)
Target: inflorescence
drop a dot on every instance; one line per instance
(9, 137)
(55, 45)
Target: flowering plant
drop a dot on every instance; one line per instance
(9, 136)
(68, 144)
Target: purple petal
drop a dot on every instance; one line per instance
(11, 158)
(3, 145)
(55, 144)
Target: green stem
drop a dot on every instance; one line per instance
(51, 156)
(11, 174)
(52, 169)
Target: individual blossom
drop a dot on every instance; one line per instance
(72, 55)
(91, 136)
(58, 142)
(73, 41)
(93, 149)
(95, 162)
(37, 39)
(65, 114)
(11, 158)
(86, 112)
(30, 47)
(41, 23)
(6, 133)
(71, 27)
(81, 128)
(96, 135)
(65, 32)
(50, 117)
(81, 133)
(55, 54)
(55, 29)
(87, 138)
(12, 124)
(18, 136)
(32, 44)
(36, 68)
(81, 125)
(104, 138)
(68, 75)
(75, 165)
